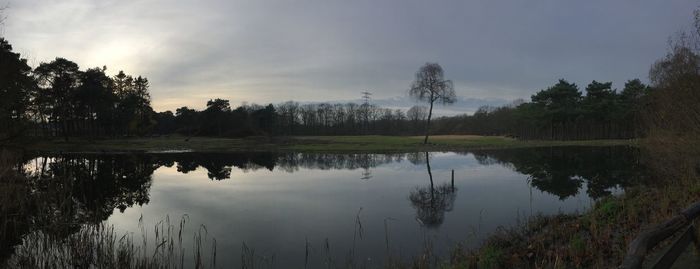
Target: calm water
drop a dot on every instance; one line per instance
(339, 206)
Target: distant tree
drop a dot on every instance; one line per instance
(431, 86)
(266, 118)
(95, 100)
(417, 114)
(288, 120)
(215, 116)
(135, 112)
(187, 120)
(123, 84)
(58, 81)
(634, 90)
(560, 105)
(599, 107)
(631, 101)
(165, 122)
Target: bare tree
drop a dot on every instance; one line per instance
(431, 86)
(417, 113)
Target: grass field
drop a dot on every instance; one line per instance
(338, 144)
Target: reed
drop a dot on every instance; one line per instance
(99, 246)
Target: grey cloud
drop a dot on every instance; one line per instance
(272, 51)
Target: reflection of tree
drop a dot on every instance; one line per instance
(416, 157)
(292, 161)
(61, 193)
(366, 175)
(58, 193)
(431, 202)
(13, 205)
(98, 183)
(219, 165)
(563, 170)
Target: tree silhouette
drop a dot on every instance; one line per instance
(58, 81)
(430, 86)
(559, 103)
(215, 116)
(95, 100)
(16, 86)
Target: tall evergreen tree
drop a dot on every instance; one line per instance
(58, 81)
(16, 86)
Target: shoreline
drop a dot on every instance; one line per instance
(305, 144)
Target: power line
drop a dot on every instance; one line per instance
(366, 96)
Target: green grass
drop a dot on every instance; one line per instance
(336, 144)
(491, 257)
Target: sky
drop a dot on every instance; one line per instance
(270, 51)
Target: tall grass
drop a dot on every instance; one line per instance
(100, 246)
(42, 226)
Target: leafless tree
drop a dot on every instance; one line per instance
(431, 86)
(672, 115)
(417, 113)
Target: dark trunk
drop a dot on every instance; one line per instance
(427, 124)
(430, 173)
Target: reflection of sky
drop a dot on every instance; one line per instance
(276, 211)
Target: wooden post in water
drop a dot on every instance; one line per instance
(453, 179)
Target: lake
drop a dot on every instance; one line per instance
(297, 209)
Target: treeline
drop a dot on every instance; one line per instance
(289, 118)
(561, 112)
(57, 99)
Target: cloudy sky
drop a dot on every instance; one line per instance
(266, 51)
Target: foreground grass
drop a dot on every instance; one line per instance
(597, 238)
(336, 144)
(99, 246)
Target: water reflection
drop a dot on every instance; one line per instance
(563, 171)
(219, 165)
(59, 192)
(432, 202)
(56, 195)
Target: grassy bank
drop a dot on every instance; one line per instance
(599, 237)
(337, 144)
